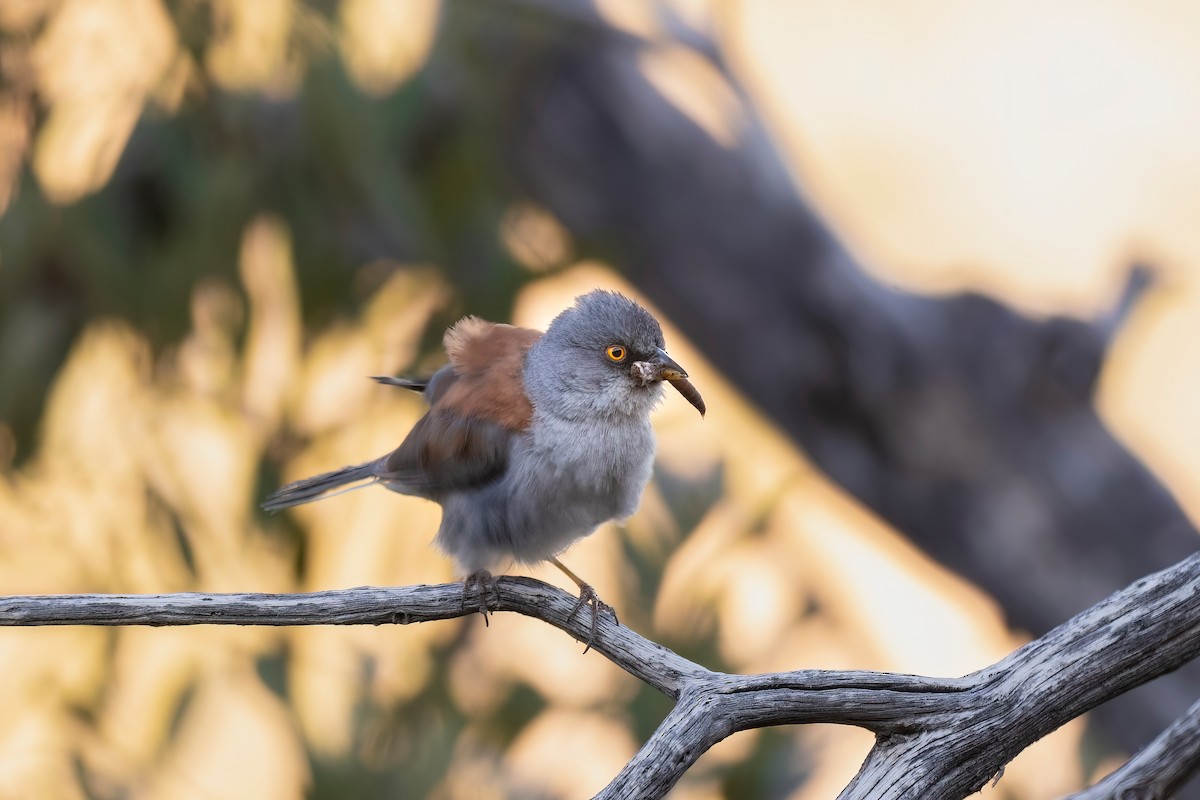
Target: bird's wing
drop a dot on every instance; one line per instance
(477, 404)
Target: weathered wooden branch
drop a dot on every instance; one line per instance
(365, 605)
(1141, 632)
(1159, 769)
(935, 738)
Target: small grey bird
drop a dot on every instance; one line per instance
(531, 440)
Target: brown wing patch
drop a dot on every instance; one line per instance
(489, 360)
(477, 404)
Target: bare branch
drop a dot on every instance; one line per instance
(935, 737)
(717, 705)
(1159, 769)
(648, 661)
(1137, 634)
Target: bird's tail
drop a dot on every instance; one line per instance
(317, 487)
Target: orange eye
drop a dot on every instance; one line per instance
(615, 353)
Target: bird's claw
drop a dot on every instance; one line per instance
(484, 585)
(588, 597)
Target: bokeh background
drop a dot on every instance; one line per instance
(218, 217)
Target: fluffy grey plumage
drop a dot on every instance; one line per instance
(587, 455)
(531, 441)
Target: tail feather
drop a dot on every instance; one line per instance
(316, 487)
(405, 383)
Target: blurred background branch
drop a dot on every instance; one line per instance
(965, 424)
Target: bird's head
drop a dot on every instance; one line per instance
(605, 354)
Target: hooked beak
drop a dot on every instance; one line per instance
(664, 368)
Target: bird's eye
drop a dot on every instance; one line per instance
(615, 353)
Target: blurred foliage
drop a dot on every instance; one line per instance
(216, 218)
(226, 133)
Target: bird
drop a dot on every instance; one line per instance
(531, 440)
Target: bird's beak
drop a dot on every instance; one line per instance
(664, 368)
(668, 370)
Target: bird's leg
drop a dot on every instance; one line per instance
(484, 584)
(587, 596)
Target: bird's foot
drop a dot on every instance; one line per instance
(484, 584)
(588, 597)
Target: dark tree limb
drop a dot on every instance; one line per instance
(966, 425)
(936, 738)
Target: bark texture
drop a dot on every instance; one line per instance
(935, 738)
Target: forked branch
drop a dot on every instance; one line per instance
(935, 738)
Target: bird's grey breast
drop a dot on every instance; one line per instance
(606, 460)
(563, 480)
(574, 477)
